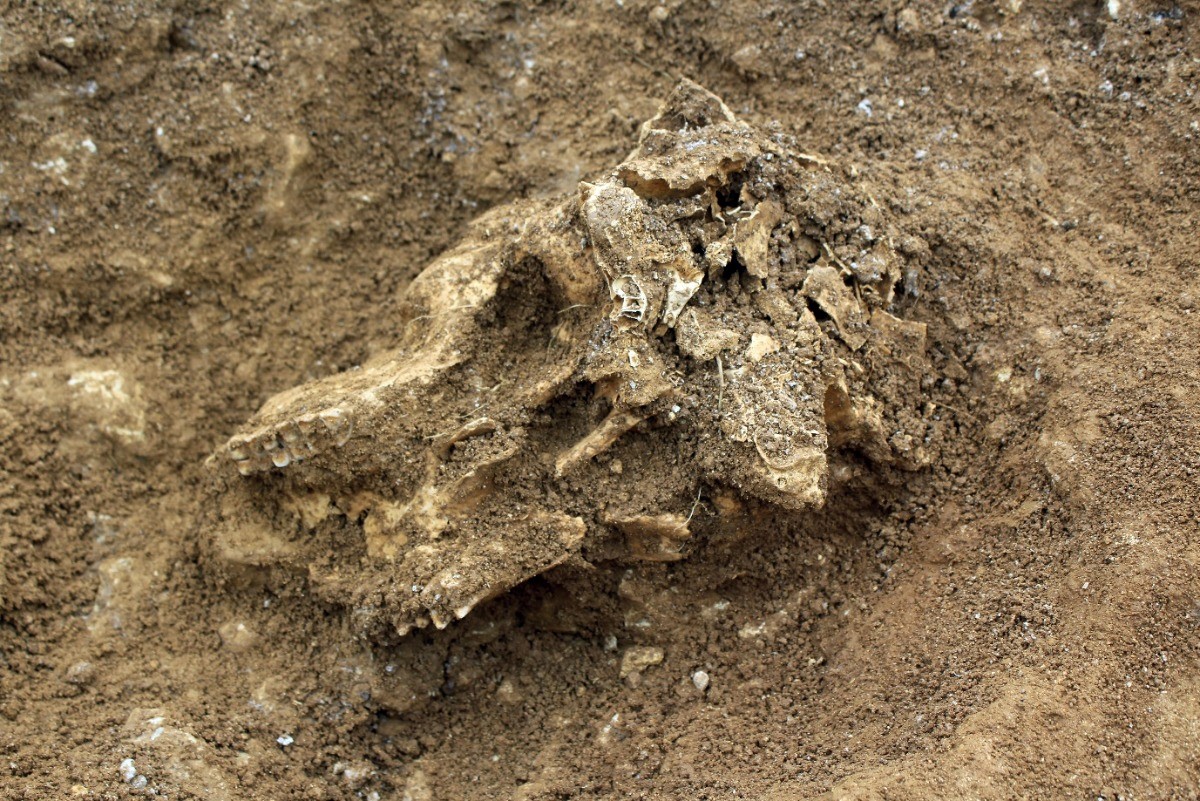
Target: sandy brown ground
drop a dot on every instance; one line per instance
(202, 204)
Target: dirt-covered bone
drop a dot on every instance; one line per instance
(710, 309)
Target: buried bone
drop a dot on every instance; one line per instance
(666, 314)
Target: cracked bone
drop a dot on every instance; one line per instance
(779, 414)
(654, 538)
(467, 459)
(826, 288)
(702, 337)
(752, 237)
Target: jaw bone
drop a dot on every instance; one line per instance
(697, 291)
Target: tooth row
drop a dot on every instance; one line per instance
(290, 441)
(486, 568)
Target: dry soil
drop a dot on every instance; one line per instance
(205, 203)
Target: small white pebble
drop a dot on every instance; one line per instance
(128, 771)
(865, 107)
(88, 145)
(700, 679)
(285, 740)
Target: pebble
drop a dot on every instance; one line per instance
(908, 20)
(416, 787)
(639, 657)
(81, 673)
(111, 402)
(508, 693)
(749, 60)
(354, 774)
(129, 773)
(237, 636)
(700, 679)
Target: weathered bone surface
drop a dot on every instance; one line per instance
(710, 309)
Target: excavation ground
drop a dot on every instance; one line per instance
(203, 205)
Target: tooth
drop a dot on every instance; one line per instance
(307, 427)
(293, 441)
(278, 453)
(289, 432)
(239, 449)
(466, 608)
(262, 461)
(338, 425)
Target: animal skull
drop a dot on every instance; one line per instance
(691, 311)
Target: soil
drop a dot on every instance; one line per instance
(203, 205)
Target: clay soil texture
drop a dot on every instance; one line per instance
(205, 204)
